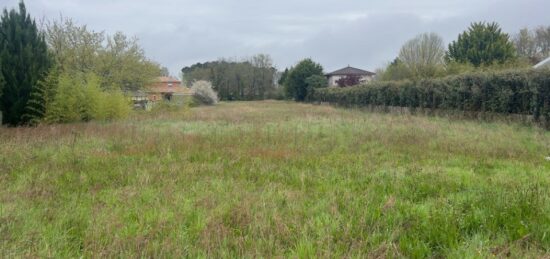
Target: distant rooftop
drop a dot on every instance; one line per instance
(351, 71)
(544, 63)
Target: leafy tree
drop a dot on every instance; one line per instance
(396, 70)
(283, 77)
(349, 80)
(317, 81)
(75, 48)
(65, 106)
(24, 60)
(42, 94)
(423, 55)
(123, 65)
(482, 44)
(296, 84)
(119, 61)
(314, 82)
(247, 79)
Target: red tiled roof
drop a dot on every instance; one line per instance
(168, 85)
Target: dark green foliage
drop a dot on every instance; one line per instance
(251, 79)
(316, 81)
(284, 76)
(511, 92)
(482, 44)
(296, 84)
(2, 84)
(24, 60)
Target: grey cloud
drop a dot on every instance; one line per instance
(335, 33)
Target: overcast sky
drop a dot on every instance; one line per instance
(362, 33)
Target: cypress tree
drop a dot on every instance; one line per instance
(24, 60)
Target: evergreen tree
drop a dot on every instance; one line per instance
(296, 84)
(2, 83)
(482, 44)
(24, 60)
(283, 77)
(42, 95)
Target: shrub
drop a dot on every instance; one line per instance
(80, 98)
(525, 92)
(203, 93)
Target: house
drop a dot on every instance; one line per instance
(166, 88)
(543, 64)
(139, 98)
(363, 76)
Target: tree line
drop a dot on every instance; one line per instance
(64, 72)
(482, 47)
(248, 79)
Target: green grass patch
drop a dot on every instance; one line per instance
(266, 179)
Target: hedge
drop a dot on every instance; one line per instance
(524, 92)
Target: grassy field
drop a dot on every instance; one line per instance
(264, 179)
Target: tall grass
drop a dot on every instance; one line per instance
(264, 179)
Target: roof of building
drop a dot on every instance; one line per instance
(543, 63)
(166, 84)
(175, 89)
(167, 79)
(351, 71)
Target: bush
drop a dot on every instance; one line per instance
(203, 93)
(525, 92)
(80, 98)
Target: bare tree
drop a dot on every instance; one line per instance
(423, 55)
(164, 71)
(533, 45)
(263, 74)
(542, 39)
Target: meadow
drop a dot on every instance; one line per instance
(275, 179)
